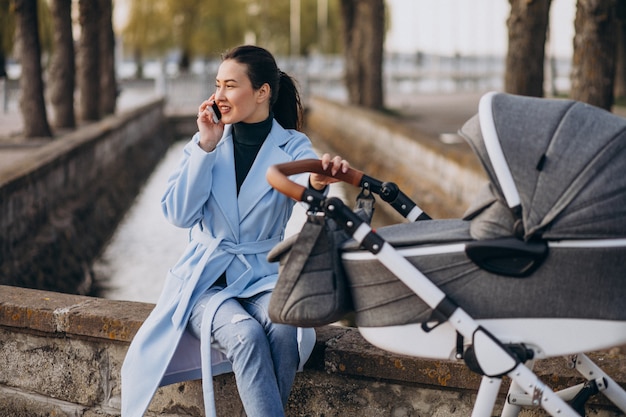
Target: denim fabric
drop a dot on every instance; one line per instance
(264, 354)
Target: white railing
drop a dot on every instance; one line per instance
(324, 76)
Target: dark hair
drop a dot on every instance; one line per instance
(262, 68)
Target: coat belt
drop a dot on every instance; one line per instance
(213, 244)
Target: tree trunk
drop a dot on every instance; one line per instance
(62, 65)
(138, 56)
(364, 33)
(527, 24)
(3, 65)
(620, 65)
(32, 104)
(593, 66)
(108, 84)
(89, 60)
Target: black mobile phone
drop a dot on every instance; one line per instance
(217, 114)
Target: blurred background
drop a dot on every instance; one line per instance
(358, 51)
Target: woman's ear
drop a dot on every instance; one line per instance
(264, 93)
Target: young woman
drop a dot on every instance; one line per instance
(212, 316)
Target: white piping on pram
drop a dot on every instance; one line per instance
(588, 243)
(492, 143)
(460, 247)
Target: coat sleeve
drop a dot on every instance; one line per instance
(189, 186)
(300, 147)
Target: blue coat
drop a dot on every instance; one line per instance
(228, 233)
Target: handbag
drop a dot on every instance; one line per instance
(312, 289)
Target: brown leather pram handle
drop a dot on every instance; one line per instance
(277, 176)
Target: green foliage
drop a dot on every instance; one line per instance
(212, 28)
(7, 26)
(206, 28)
(44, 16)
(149, 27)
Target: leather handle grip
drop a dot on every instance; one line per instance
(277, 176)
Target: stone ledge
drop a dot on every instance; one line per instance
(338, 349)
(75, 315)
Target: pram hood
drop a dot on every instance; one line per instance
(557, 169)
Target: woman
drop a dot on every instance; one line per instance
(212, 314)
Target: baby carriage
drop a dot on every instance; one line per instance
(534, 270)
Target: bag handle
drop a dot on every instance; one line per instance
(277, 177)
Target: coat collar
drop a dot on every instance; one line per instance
(255, 186)
(224, 186)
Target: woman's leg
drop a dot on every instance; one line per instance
(283, 343)
(246, 345)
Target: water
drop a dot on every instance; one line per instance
(144, 246)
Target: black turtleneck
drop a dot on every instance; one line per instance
(247, 140)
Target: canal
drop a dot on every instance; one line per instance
(144, 245)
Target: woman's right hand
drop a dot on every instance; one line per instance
(210, 132)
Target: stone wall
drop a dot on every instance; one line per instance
(61, 355)
(61, 200)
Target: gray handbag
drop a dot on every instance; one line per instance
(312, 289)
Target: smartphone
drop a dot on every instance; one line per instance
(215, 111)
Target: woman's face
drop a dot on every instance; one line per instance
(236, 98)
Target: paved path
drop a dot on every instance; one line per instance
(433, 113)
(11, 123)
(436, 114)
(13, 146)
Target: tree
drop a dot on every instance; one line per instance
(363, 36)
(62, 65)
(593, 64)
(186, 17)
(220, 28)
(89, 60)
(108, 83)
(527, 24)
(32, 104)
(206, 28)
(148, 30)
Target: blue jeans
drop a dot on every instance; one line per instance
(264, 354)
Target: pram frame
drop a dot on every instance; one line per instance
(486, 355)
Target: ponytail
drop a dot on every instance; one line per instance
(285, 101)
(287, 107)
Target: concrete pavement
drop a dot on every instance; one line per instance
(429, 113)
(13, 146)
(439, 115)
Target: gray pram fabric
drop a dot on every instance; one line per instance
(568, 162)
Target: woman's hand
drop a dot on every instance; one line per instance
(337, 163)
(210, 132)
